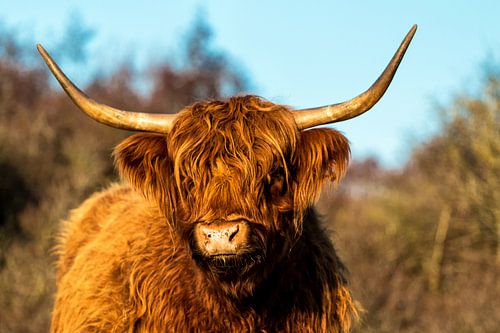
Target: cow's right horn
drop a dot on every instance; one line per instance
(134, 121)
(307, 118)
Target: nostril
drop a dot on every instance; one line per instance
(206, 232)
(232, 232)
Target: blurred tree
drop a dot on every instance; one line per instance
(52, 156)
(427, 258)
(77, 35)
(204, 73)
(463, 162)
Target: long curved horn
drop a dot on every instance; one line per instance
(307, 118)
(134, 121)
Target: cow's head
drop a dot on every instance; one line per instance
(234, 177)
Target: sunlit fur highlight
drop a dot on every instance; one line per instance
(126, 256)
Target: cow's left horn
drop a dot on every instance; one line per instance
(134, 121)
(307, 118)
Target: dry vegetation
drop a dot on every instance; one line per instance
(422, 242)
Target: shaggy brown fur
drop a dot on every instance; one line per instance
(128, 259)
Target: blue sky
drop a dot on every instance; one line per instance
(300, 53)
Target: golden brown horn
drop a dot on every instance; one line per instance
(134, 121)
(307, 118)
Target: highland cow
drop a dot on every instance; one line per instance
(214, 229)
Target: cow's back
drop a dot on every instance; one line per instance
(93, 247)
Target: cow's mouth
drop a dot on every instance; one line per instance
(230, 260)
(230, 265)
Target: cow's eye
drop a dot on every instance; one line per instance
(276, 183)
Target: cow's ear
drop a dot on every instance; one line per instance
(142, 159)
(323, 154)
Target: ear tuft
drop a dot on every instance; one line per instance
(323, 155)
(142, 160)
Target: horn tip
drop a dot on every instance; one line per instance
(40, 48)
